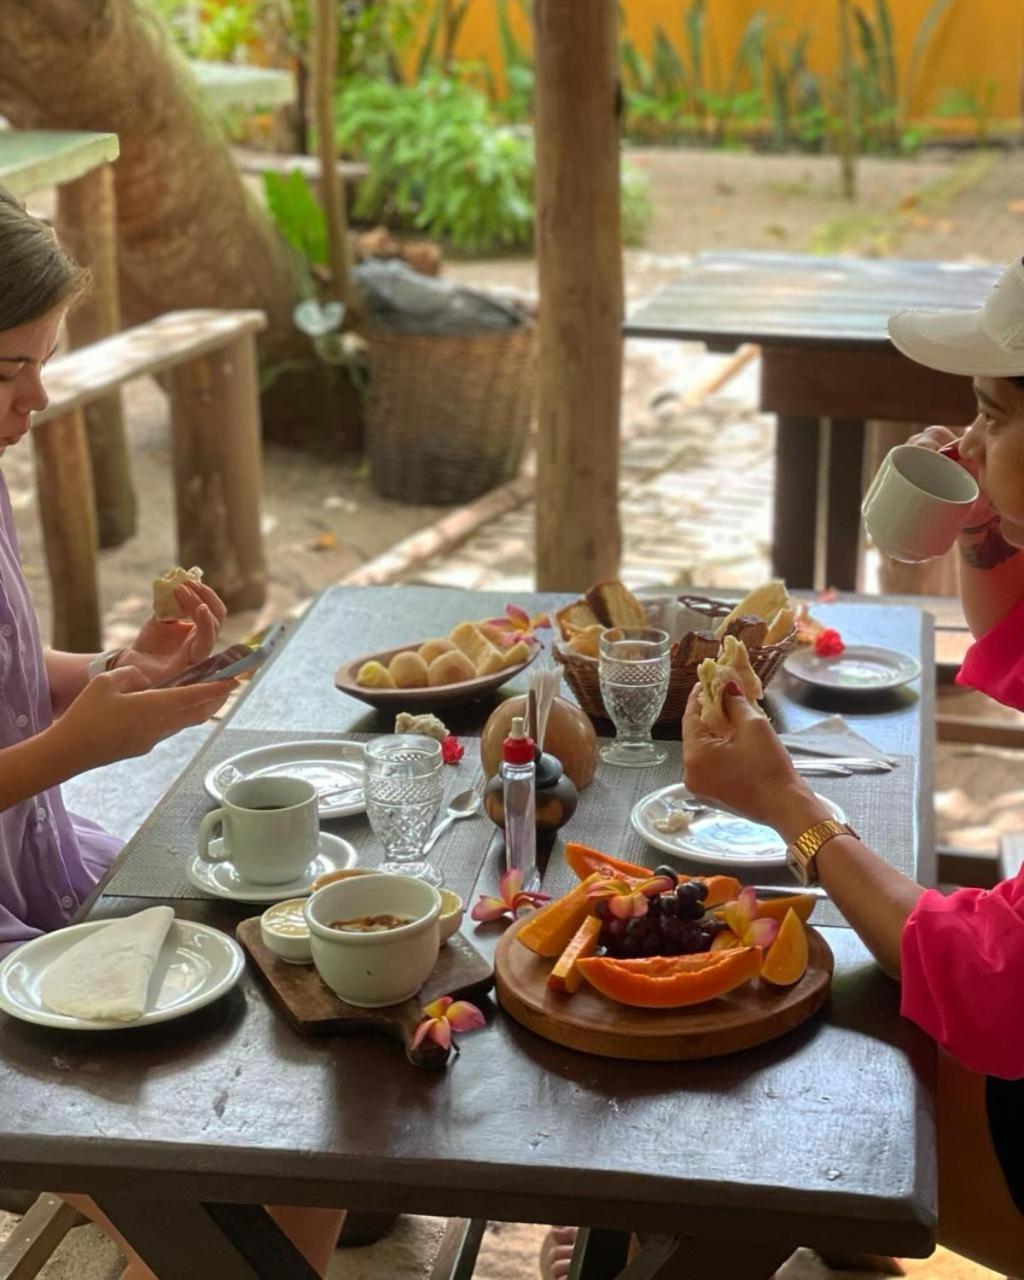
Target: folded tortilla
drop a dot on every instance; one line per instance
(715, 675)
(105, 977)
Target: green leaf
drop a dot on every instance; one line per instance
(297, 214)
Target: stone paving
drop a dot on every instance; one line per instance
(695, 492)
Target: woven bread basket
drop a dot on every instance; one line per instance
(582, 677)
(448, 417)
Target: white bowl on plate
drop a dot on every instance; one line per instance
(372, 970)
(284, 931)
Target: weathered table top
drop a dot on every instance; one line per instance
(34, 158)
(226, 85)
(825, 1136)
(786, 299)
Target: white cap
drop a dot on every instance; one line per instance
(987, 342)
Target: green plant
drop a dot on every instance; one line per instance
(438, 162)
(974, 101)
(637, 209)
(516, 105)
(798, 114)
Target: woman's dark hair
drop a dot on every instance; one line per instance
(36, 275)
(1018, 382)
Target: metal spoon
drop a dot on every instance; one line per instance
(465, 805)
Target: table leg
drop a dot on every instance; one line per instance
(180, 1240)
(599, 1255)
(797, 447)
(86, 224)
(843, 458)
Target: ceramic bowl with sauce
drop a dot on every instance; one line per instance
(375, 938)
(284, 931)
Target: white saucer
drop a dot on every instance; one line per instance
(860, 668)
(196, 965)
(333, 765)
(714, 835)
(223, 881)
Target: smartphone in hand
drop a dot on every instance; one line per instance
(238, 661)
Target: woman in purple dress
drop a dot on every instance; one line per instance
(64, 713)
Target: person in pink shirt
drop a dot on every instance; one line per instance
(959, 957)
(64, 713)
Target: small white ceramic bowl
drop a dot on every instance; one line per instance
(372, 970)
(452, 910)
(284, 931)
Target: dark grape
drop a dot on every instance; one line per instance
(691, 939)
(668, 904)
(655, 904)
(666, 871)
(652, 945)
(601, 909)
(713, 925)
(699, 888)
(638, 927)
(630, 948)
(617, 928)
(689, 905)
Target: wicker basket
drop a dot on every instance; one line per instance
(447, 417)
(581, 671)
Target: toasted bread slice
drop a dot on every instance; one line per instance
(615, 605)
(782, 624)
(749, 628)
(579, 615)
(586, 640)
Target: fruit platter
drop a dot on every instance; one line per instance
(661, 966)
(472, 660)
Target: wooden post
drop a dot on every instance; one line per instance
(86, 221)
(215, 420)
(67, 513)
(579, 259)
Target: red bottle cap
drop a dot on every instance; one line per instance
(517, 747)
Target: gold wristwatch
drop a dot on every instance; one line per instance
(803, 852)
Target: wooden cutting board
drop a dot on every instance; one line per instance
(592, 1023)
(314, 1010)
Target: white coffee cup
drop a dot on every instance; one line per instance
(918, 503)
(271, 829)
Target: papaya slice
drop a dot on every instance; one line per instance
(720, 889)
(671, 982)
(802, 904)
(787, 957)
(565, 977)
(549, 930)
(585, 861)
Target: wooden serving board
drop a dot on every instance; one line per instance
(314, 1010)
(592, 1023)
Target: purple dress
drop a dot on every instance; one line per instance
(49, 860)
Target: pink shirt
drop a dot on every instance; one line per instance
(49, 860)
(962, 956)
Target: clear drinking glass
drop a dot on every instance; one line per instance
(633, 668)
(404, 784)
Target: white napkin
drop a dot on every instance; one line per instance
(105, 977)
(832, 737)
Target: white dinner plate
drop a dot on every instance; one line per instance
(714, 835)
(860, 668)
(223, 881)
(196, 965)
(331, 765)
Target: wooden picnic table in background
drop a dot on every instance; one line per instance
(79, 166)
(180, 1131)
(827, 366)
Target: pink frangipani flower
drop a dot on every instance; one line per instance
(444, 1016)
(512, 897)
(629, 901)
(741, 917)
(516, 624)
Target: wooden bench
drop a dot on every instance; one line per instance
(209, 359)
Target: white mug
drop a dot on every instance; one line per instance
(271, 828)
(918, 503)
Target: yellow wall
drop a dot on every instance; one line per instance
(977, 40)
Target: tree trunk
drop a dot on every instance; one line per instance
(579, 260)
(189, 233)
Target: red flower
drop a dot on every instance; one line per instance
(829, 643)
(452, 749)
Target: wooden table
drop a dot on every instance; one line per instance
(826, 366)
(825, 1137)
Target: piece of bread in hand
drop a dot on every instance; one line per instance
(732, 666)
(165, 605)
(578, 615)
(781, 627)
(615, 605)
(764, 602)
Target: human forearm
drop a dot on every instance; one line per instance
(873, 896)
(28, 768)
(68, 674)
(991, 576)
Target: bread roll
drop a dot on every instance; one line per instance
(518, 653)
(165, 605)
(374, 675)
(408, 670)
(430, 649)
(450, 668)
(484, 656)
(586, 640)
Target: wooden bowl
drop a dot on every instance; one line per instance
(429, 699)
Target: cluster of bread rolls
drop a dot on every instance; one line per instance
(470, 650)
